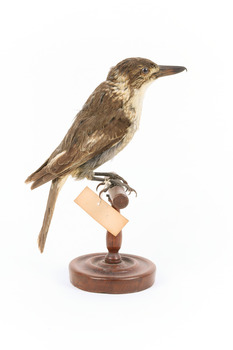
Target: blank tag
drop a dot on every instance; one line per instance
(101, 211)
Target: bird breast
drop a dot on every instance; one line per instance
(134, 106)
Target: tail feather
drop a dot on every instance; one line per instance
(55, 188)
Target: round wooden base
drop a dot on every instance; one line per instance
(91, 273)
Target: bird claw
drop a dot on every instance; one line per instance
(106, 183)
(115, 180)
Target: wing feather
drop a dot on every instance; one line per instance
(97, 127)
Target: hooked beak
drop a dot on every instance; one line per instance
(169, 70)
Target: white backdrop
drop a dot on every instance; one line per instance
(53, 54)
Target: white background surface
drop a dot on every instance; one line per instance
(53, 54)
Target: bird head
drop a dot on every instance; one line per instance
(137, 72)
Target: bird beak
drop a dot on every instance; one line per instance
(169, 70)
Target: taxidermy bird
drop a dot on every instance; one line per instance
(103, 127)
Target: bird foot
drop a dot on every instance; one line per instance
(111, 180)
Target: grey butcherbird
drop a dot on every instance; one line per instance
(104, 126)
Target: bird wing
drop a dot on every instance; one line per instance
(91, 139)
(97, 127)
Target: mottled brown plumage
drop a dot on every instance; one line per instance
(104, 126)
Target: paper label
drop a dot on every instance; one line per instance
(101, 211)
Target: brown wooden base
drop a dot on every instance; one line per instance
(93, 274)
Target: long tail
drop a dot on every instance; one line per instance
(55, 188)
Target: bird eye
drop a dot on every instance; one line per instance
(145, 70)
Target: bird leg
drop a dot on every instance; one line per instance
(110, 180)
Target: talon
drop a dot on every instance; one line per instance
(102, 191)
(130, 190)
(109, 198)
(100, 184)
(107, 184)
(110, 180)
